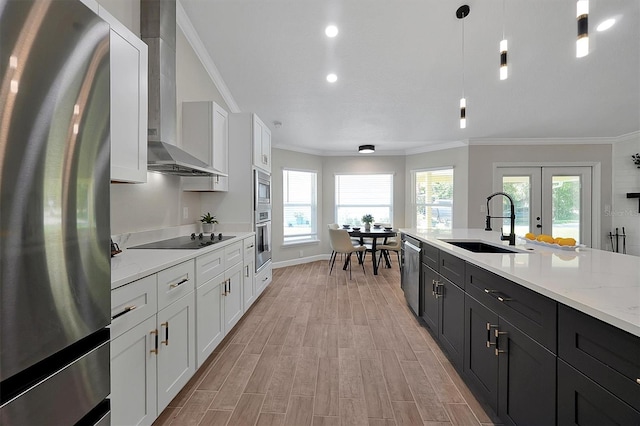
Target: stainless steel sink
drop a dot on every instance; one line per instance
(481, 247)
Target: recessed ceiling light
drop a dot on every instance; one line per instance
(331, 31)
(605, 25)
(332, 78)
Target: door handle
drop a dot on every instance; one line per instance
(154, 333)
(124, 311)
(166, 333)
(489, 328)
(174, 285)
(538, 226)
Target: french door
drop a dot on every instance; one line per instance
(549, 200)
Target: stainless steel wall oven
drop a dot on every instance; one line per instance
(262, 207)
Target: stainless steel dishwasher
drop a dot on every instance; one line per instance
(410, 279)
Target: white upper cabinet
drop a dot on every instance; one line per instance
(205, 134)
(129, 66)
(261, 145)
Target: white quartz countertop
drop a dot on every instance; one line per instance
(602, 284)
(133, 264)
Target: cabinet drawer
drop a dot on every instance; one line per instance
(531, 312)
(233, 254)
(608, 355)
(249, 249)
(175, 282)
(452, 268)
(580, 399)
(133, 303)
(430, 256)
(208, 266)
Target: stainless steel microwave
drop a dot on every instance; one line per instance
(262, 189)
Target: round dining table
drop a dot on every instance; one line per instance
(375, 234)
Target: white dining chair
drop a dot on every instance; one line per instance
(341, 243)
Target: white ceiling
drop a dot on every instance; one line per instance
(399, 67)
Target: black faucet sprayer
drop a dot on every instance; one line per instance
(512, 234)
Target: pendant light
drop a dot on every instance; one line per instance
(462, 13)
(504, 71)
(582, 14)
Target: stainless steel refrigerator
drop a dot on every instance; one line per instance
(54, 214)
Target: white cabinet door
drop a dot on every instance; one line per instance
(248, 285)
(129, 67)
(233, 300)
(261, 145)
(205, 134)
(176, 350)
(209, 317)
(133, 376)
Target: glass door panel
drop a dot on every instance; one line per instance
(519, 188)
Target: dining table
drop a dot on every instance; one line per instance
(375, 234)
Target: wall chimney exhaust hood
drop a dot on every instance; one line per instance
(158, 31)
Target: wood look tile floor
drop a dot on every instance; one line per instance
(325, 350)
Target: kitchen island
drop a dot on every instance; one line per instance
(558, 327)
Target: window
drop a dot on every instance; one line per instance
(357, 195)
(434, 198)
(299, 196)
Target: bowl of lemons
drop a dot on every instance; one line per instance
(549, 241)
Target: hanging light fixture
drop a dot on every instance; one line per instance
(504, 71)
(366, 149)
(462, 13)
(582, 43)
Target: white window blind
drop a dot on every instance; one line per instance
(433, 198)
(357, 195)
(299, 206)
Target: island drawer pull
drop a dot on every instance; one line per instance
(125, 311)
(180, 283)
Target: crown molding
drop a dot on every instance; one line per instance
(194, 40)
(438, 146)
(633, 136)
(544, 141)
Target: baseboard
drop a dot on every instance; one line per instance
(301, 260)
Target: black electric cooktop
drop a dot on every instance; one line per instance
(193, 242)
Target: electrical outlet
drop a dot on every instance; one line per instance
(483, 208)
(185, 212)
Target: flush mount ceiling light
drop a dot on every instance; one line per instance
(582, 14)
(332, 78)
(366, 149)
(331, 31)
(462, 13)
(606, 24)
(504, 73)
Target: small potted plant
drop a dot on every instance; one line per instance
(208, 222)
(367, 219)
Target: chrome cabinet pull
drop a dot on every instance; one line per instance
(489, 328)
(247, 274)
(504, 298)
(180, 283)
(638, 381)
(166, 333)
(486, 290)
(498, 334)
(154, 332)
(125, 311)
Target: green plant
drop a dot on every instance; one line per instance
(207, 218)
(367, 218)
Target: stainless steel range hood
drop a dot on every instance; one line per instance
(158, 30)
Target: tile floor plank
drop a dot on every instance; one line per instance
(327, 387)
(270, 419)
(375, 390)
(406, 413)
(300, 412)
(215, 418)
(247, 410)
(231, 390)
(259, 380)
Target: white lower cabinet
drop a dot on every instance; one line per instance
(210, 316)
(176, 348)
(233, 308)
(133, 376)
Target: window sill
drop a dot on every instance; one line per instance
(300, 243)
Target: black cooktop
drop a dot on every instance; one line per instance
(193, 242)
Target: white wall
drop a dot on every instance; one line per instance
(458, 158)
(626, 178)
(483, 157)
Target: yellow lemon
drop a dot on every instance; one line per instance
(556, 240)
(545, 238)
(529, 236)
(567, 242)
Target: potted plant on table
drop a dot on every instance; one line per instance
(208, 222)
(367, 219)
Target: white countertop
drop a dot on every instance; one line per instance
(133, 264)
(602, 284)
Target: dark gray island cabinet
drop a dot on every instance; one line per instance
(533, 360)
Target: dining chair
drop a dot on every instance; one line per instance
(341, 243)
(393, 245)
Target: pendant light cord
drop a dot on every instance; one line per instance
(463, 57)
